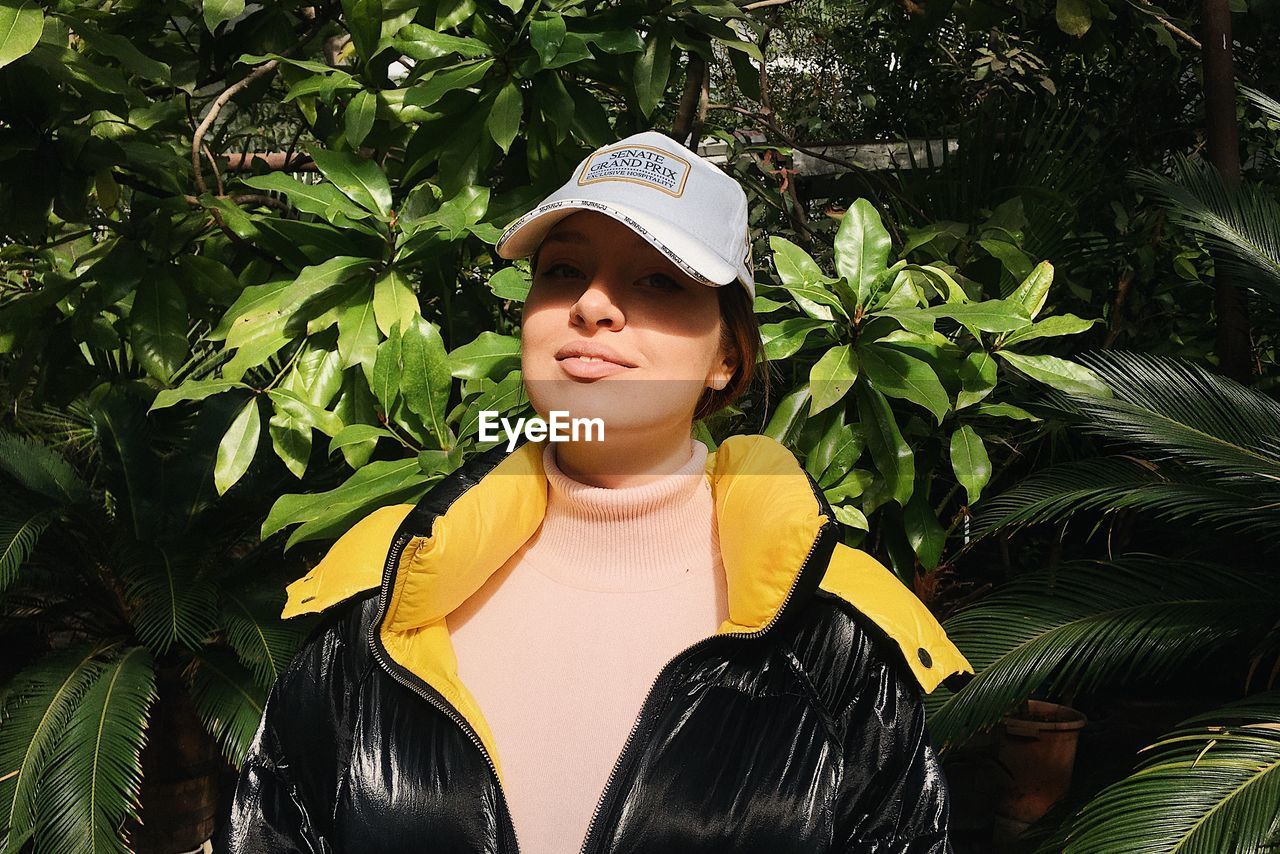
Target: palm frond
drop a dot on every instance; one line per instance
(263, 642)
(228, 701)
(92, 782)
(1262, 101)
(1211, 785)
(41, 470)
(20, 530)
(169, 602)
(1241, 224)
(1085, 624)
(38, 704)
(1114, 483)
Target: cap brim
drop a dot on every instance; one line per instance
(522, 238)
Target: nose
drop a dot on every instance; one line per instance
(597, 307)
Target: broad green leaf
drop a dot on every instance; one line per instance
(362, 180)
(546, 34)
(359, 116)
(193, 390)
(490, 355)
(804, 280)
(925, 534)
(357, 407)
(1005, 410)
(977, 378)
(427, 92)
(789, 416)
(862, 247)
(944, 283)
(1057, 324)
(832, 376)
(426, 379)
(652, 70)
(318, 279)
(387, 371)
(993, 315)
(502, 397)
(21, 24)
(853, 517)
(970, 462)
(364, 21)
(393, 301)
(303, 411)
(1017, 262)
(784, 339)
(853, 485)
(509, 283)
(1034, 289)
(504, 118)
(1061, 374)
(324, 200)
(158, 326)
(217, 11)
(238, 446)
(418, 42)
(896, 374)
(889, 451)
(1074, 17)
(358, 333)
(354, 434)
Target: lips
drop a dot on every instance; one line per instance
(593, 350)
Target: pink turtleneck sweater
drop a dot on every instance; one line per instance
(562, 643)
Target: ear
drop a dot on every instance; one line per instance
(722, 372)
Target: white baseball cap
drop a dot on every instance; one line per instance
(680, 202)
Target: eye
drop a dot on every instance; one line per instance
(663, 282)
(550, 270)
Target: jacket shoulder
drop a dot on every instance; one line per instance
(871, 589)
(352, 565)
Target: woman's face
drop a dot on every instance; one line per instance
(597, 282)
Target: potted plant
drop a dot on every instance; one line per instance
(1036, 745)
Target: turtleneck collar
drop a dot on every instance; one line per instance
(642, 537)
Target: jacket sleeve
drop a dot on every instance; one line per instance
(269, 813)
(893, 797)
(283, 799)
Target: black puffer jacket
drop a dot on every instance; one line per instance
(796, 729)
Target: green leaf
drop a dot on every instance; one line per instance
(1058, 324)
(784, 339)
(319, 279)
(890, 452)
(504, 119)
(862, 248)
(970, 462)
(1061, 374)
(158, 325)
(1005, 410)
(217, 11)
(1034, 289)
(546, 34)
(358, 333)
(426, 379)
(324, 200)
(21, 24)
(428, 91)
(418, 42)
(490, 355)
(804, 280)
(652, 70)
(509, 283)
(832, 376)
(853, 517)
(364, 21)
(359, 116)
(393, 301)
(789, 416)
(194, 390)
(238, 447)
(925, 534)
(977, 378)
(362, 180)
(1074, 17)
(896, 374)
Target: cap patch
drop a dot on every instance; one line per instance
(637, 164)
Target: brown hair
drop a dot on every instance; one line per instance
(740, 334)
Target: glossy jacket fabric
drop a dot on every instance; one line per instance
(796, 727)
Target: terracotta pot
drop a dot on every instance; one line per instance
(1039, 751)
(181, 771)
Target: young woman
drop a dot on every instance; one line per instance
(614, 643)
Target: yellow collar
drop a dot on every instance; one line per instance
(769, 519)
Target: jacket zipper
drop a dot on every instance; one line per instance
(621, 761)
(436, 699)
(430, 695)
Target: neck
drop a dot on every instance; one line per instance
(641, 537)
